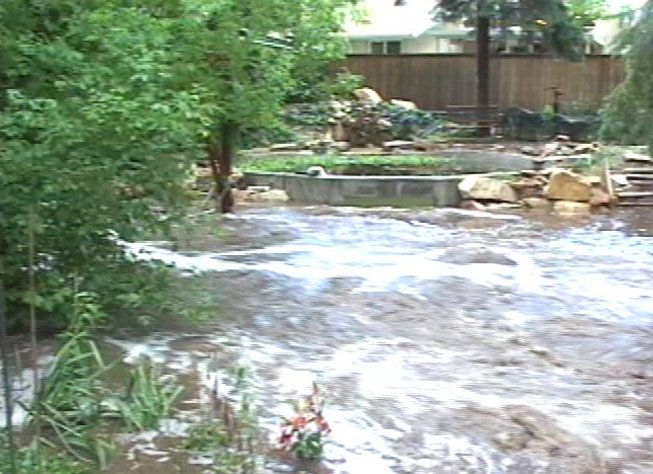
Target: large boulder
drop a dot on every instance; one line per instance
(567, 208)
(567, 186)
(536, 203)
(367, 95)
(528, 187)
(598, 197)
(404, 104)
(483, 188)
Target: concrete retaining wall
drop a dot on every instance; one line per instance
(398, 191)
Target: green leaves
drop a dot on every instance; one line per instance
(550, 22)
(629, 110)
(106, 104)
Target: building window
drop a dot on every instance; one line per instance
(378, 47)
(393, 47)
(386, 47)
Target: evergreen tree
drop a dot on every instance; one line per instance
(546, 21)
(628, 116)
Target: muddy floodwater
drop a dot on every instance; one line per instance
(447, 341)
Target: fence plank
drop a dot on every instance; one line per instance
(435, 81)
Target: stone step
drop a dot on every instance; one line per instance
(635, 204)
(637, 157)
(634, 194)
(636, 170)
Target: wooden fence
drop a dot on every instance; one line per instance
(435, 81)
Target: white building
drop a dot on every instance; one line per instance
(408, 27)
(392, 27)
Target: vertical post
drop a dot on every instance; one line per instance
(482, 60)
(6, 380)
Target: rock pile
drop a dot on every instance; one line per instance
(557, 188)
(358, 123)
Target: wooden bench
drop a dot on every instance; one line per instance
(474, 117)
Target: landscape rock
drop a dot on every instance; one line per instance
(483, 188)
(341, 145)
(598, 197)
(528, 187)
(368, 96)
(274, 195)
(571, 207)
(550, 148)
(536, 202)
(405, 104)
(250, 195)
(472, 205)
(567, 186)
(592, 180)
(586, 148)
(316, 171)
(398, 145)
(638, 157)
(498, 206)
(286, 147)
(258, 189)
(620, 180)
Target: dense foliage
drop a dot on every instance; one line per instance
(628, 116)
(106, 104)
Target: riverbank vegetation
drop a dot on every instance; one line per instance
(105, 107)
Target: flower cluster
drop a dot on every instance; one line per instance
(303, 434)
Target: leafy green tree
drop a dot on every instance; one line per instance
(585, 13)
(106, 104)
(249, 53)
(548, 21)
(95, 137)
(628, 115)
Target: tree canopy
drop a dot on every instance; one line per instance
(628, 115)
(106, 104)
(550, 22)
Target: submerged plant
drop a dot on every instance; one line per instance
(304, 433)
(149, 397)
(77, 408)
(229, 432)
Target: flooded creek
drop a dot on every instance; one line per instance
(447, 341)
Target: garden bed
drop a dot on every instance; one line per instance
(410, 165)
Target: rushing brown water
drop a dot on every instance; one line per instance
(448, 341)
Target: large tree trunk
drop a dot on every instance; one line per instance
(221, 157)
(483, 65)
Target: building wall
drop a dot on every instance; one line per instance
(360, 47)
(423, 45)
(606, 31)
(431, 44)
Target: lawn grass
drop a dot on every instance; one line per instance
(334, 164)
